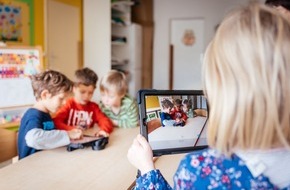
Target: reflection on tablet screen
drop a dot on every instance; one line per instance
(176, 121)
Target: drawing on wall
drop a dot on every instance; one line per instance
(151, 115)
(188, 38)
(10, 23)
(16, 65)
(19, 63)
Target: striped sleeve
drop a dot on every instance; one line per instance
(128, 116)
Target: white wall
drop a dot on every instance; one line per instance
(97, 37)
(97, 31)
(211, 10)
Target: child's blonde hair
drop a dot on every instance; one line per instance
(247, 81)
(114, 81)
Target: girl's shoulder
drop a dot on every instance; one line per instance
(210, 169)
(213, 159)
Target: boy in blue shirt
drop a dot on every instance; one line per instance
(37, 130)
(165, 116)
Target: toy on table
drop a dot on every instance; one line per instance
(89, 140)
(97, 143)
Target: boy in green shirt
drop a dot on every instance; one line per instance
(115, 102)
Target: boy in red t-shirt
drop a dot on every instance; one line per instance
(79, 111)
(178, 114)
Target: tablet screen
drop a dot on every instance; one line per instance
(173, 121)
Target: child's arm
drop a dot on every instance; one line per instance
(102, 120)
(162, 118)
(42, 139)
(102, 133)
(183, 116)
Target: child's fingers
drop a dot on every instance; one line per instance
(142, 141)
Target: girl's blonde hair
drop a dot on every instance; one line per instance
(247, 81)
(114, 81)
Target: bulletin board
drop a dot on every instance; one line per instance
(16, 65)
(14, 22)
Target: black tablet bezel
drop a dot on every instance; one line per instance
(143, 117)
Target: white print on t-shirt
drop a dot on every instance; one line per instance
(80, 118)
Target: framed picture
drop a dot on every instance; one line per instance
(159, 113)
(151, 115)
(16, 24)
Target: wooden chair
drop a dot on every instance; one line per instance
(153, 124)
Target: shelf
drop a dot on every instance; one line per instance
(126, 44)
(121, 12)
(128, 3)
(118, 23)
(118, 43)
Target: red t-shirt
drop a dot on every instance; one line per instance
(178, 114)
(73, 114)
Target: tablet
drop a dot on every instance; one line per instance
(173, 121)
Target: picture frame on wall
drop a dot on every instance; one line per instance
(151, 115)
(159, 113)
(18, 31)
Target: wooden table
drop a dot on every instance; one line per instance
(80, 169)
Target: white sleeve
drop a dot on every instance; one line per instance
(41, 139)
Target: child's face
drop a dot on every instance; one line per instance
(53, 103)
(111, 99)
(167, 110)
(184, 107)
(178, 107)
(83, 94)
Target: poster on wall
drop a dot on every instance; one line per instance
(14, 23)
(187, 40)
(10, 23)
(16, 65)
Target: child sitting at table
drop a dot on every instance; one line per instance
(115, 102)
(187, 107)
(178, 114)
(79, 111)
(166, 118)
(37, 130)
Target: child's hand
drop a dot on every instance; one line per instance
(81, 127)
(102, 133)
(140, 155)
(75, 134)
(115, 122)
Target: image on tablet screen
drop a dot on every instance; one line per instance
(176, 121)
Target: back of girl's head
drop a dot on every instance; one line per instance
(247, 81)
(53, 81)
(114, 81)
(86, 77)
